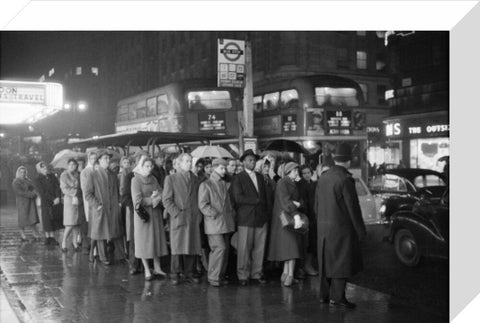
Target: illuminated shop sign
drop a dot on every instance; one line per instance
(28, 102)
(417, 128)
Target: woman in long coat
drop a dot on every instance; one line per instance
(50, 194)
(73, 213)
(150, 241)
(283, 244)
(306, 189)
(25, 201)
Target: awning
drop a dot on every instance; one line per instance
(145, 138)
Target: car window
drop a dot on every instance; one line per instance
(361, 191)
(434, 180)
(388, 183)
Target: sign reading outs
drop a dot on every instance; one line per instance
(231, 63)
(211, 121)
(339, 122)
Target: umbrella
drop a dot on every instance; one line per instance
(287, 145)
(211, 151)
(61, 158)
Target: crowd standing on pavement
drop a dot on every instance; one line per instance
(227, 219)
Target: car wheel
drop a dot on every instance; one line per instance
(406, 248)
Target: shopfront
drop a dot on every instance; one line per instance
(418, 141)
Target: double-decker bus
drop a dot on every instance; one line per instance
(316, 111)
(193, 106)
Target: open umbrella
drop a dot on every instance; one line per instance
(287, 145)
(61, 158)
(211, 151)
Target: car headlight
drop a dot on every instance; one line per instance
(382, 210)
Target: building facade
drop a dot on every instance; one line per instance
(417, 131)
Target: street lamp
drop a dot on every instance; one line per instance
(82, 106)
(74, 107)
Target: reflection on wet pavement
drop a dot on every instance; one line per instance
(54, 286)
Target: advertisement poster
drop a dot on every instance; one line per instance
(315, 122)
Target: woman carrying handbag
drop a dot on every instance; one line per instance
(283, 244)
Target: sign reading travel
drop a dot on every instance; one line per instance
(231, 63)
(211, 121)
(339, 122)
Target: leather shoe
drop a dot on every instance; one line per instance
(214, 283)
(324, 300)
(261, 280)
(342, 303)
(301, 274)
(191, 279)
(243, 282)
(174, 279)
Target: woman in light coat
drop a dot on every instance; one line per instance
(25, 201)
(73, 215)
(150, 240)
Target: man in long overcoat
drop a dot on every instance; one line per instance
(340, 229)
(101, 192)
(248, 194)
(216, 207)
(180, 199)
(84, 175)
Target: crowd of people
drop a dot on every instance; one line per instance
(234, 219)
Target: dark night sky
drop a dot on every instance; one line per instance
(28, 55)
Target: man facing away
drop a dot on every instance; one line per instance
(180, 199)
(248, 194)
(215, 205)
(340, 229)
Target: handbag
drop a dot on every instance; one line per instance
(288, 222)
(142, 213)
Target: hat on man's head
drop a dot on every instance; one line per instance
(343, 152)
(249, 152)
(289, 167)
(219, 161)
(103, 152)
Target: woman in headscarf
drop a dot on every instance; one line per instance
(50, 194)
(73, 212)
(25, 201)
(283, 244)
(149, 235)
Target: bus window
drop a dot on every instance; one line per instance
(209, 100)
(162, 106)
(122, 114)
(328, 96)
(289, 99)
(141, 109)
(270, 101)
(151, 106)
(257, 104)
(132, 114)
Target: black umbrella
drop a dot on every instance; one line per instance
(287, 145)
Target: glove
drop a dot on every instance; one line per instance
(298, 222)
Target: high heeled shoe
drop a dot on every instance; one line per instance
(284, 276)
(158, 274)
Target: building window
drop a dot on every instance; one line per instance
(78, 70)
(95, 71)
(361, 60)
(381, 89)
(51, 72)
(342, 58)
(361, 33)
(364, 88)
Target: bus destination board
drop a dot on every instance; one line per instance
(339, 122)
(211, 121)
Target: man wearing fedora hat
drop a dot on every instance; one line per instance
(340, 228)
(102, 194)
(249, 197)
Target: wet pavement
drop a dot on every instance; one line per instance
(43, 284)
